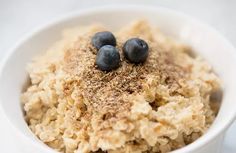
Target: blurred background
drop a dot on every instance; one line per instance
(19, 17)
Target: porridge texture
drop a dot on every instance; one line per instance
(155, 107)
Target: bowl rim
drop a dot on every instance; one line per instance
(202, 141)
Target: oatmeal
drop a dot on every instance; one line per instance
(158, 105)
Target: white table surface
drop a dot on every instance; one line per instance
(18, 17)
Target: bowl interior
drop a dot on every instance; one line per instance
(203, 40)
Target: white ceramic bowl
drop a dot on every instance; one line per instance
(206, 41)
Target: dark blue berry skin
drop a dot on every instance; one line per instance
(103, 38)
(108, 58)
(135, 50)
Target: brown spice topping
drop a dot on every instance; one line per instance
(106, 92)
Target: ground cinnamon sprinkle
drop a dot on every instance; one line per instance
(158, 106)
(106, 91)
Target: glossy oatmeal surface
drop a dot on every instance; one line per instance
(153, 107)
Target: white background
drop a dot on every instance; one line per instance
(18, 17)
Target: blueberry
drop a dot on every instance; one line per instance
(103, 38)
(135, 50)
(108, 58)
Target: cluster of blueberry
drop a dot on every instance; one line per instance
(135, 50)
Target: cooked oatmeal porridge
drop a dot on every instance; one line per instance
(156, 106)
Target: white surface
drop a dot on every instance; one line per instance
(20, 17)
